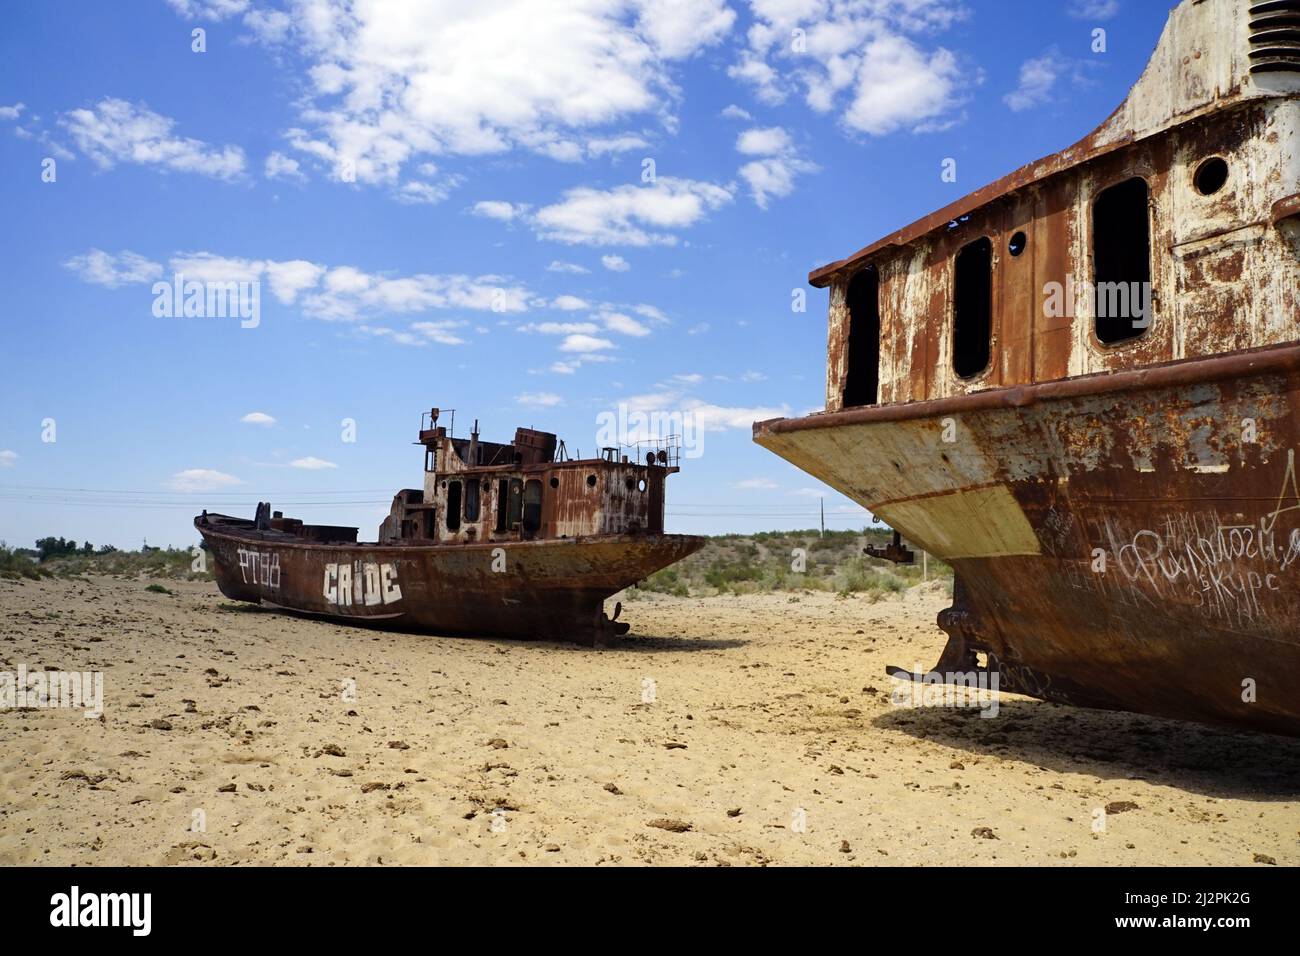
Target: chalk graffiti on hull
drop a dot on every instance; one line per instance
(259, 567)
(1229, 572)
(361, 584)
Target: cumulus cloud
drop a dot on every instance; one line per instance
(391, 81)
(7, 458)
(1093, 9)
(629, 215)
(499, 210)
(571, 268)
(201, 479)
(1041, 76)
(101, 268)
(280, 166)
(774, 174)
(539, 399)
(311, 463)
(115, 131)
(342, 293)
(615, 263)
(258, 418)
(863, 60)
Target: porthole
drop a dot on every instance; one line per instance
(630, 482)
(1211, 176)
(1017, 244)
(591, 481)
(640, 485)
(555, 482)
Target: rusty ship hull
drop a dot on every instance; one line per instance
(544, 589)
(1126, 541)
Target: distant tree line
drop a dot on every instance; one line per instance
(47, 548)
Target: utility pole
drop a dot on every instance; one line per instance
(823, 504)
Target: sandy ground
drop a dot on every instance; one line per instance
(231, 735)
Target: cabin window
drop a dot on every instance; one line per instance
(515, 507)
(972, 308)
(472, 499)
(430, 460)
(862, 382)
(1017, 244)
(1211, 176)
(503, 497)
(431, 524)
(1121, 255)
(532, 506)
(453, 505)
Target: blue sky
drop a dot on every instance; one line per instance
(532, 212)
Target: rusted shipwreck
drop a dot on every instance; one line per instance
(514, 540)
(1080, 386)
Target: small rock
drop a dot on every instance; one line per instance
(497, 743)
(160, 724)
(226, 788)
(984, 832)
(672, 826)
(613, 788)
(1261, 858)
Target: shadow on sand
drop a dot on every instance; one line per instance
(1116, 746)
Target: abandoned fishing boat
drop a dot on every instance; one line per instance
(1080, 385)
(515, 540)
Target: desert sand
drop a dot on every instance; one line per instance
(753, 730)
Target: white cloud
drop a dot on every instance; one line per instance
(624, 324)
(499, 210)
(102, 268)
(208, 9)
(570, 303)
(201, 479)
(539, 399)
(7, 458)
(774, 174)
(258, 418)
(418, 192)
(757, 484)
(859, 60)
(582, 342)
(1037, 78)
(389, 81)
(610, 145)
(629, 215)
(343, 293)
(1093, 9)
(311, 463)
(571, 268)
(706, 415)
(763, 141)
(615, 263)
(650, 312)
(11, 112)
(733, 111)
(753, 377)
(115, 131)
(561, 328)
(280, 166)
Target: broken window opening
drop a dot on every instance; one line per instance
(1121, 257)
(472, 499)
(453, 506)
(503, 497)
(532, 506)
(972, 308)
(862, 381)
